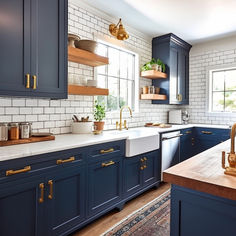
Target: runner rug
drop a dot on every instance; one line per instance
(151, 220)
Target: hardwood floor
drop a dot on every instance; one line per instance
(107, 221)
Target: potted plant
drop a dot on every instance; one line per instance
(154, 64)
(99, 115)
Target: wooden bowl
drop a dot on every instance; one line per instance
(87, 45)
(72, 39)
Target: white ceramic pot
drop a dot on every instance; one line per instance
(82, 127)
(92, 83)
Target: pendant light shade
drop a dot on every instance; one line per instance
(120, 33)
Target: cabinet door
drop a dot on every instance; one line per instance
(104, 186)
(183, 77)
(21, 212)
(14, 46)
(151, 172)
(132, 175)
(49, 48)
(186, 144)
(66, 199)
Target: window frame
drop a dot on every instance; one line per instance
(209, 90)
(135, 107)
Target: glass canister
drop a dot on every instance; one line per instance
(3, 131)
(25, 130)
(14, 131)
(151, 89)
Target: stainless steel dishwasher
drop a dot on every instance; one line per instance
(170, 150)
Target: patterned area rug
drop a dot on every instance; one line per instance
(151, 220)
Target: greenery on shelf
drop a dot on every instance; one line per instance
(99, 111)
(148, 65)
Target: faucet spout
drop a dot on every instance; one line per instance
(121, 110)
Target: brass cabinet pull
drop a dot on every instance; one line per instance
(142, 160)
(50, 183)
(27, 81)
(144, 166)
(34, 81)
(60, 161)
(206, 132)
(179, 97)
(188, 132)
(41, 199)
(107, 151)
(141, 168)
(108, 163)
(13, 172)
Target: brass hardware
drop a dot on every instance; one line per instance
(142, 160)
(145, 158)
(27, 81)
(141, 168)
(144, 166)
(34, 81)
(108, 163)
(50, 183)
(188, 132)
(117, 124)
(107, 151)
(13, 172)
(60, 161)
(125, 125)
(120, 32)
(179, 97)
(121, 110)
(206, 132)
(41, 199)
(231, 169)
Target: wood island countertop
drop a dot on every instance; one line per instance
(204, 173)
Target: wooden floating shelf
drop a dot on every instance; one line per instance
(27, 140)
(153, 97)
(85, 90)
(153, 74)
(86, 58)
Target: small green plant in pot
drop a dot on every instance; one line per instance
(99, 115)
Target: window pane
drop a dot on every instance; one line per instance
(101, 100)
(218, 81)
(123, 65)
(130, 94)
(230, 101)
(101, 50)
(230, 80)
(218, 101)
(130, 66)
(113, 67)
(112, 101)
(101, 81)
(123, 93)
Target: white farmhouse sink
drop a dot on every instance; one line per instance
(140, 140)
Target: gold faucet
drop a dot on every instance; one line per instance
(231, 169)
(121, 124)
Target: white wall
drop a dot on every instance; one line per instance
(55, 115)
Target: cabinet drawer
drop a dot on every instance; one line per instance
(106, 150)
(25, 167)
(212, 133)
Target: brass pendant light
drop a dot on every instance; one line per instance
(120, 32)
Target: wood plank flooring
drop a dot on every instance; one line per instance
(107, 221)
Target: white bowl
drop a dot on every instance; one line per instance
(92, 83)
(82, 127)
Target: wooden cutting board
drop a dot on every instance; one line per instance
(28, 140)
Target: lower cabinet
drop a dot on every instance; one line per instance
(21, 213)
(141, 171)
(104, 184)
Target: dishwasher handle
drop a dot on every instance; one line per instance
(167, 138)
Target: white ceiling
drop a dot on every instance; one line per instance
(192, 20)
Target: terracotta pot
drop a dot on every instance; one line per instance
(99, 125)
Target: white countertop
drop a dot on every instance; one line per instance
(69, 141)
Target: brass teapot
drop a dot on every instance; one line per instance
(231, 169)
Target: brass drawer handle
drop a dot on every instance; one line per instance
(206, 132)
(27, 81)
(108, 163)
(13, 172)
(41, 199)
(107, 151)
(50, 183)
(141, 168)
(34, 81)
(60, 161)
(179, 97)
(188, 132)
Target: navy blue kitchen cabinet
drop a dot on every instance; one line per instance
(141, 171)
(187, 144)
(174, 52)
(195, 213)
(33, 59)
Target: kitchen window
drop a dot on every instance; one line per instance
(120, 77)
(222, 85)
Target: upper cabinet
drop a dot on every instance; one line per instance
(33, 45)
(174, 52)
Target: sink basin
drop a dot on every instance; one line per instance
(140, 140)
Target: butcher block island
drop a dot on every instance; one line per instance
(203, 198)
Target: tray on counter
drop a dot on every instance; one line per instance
(28, 140)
